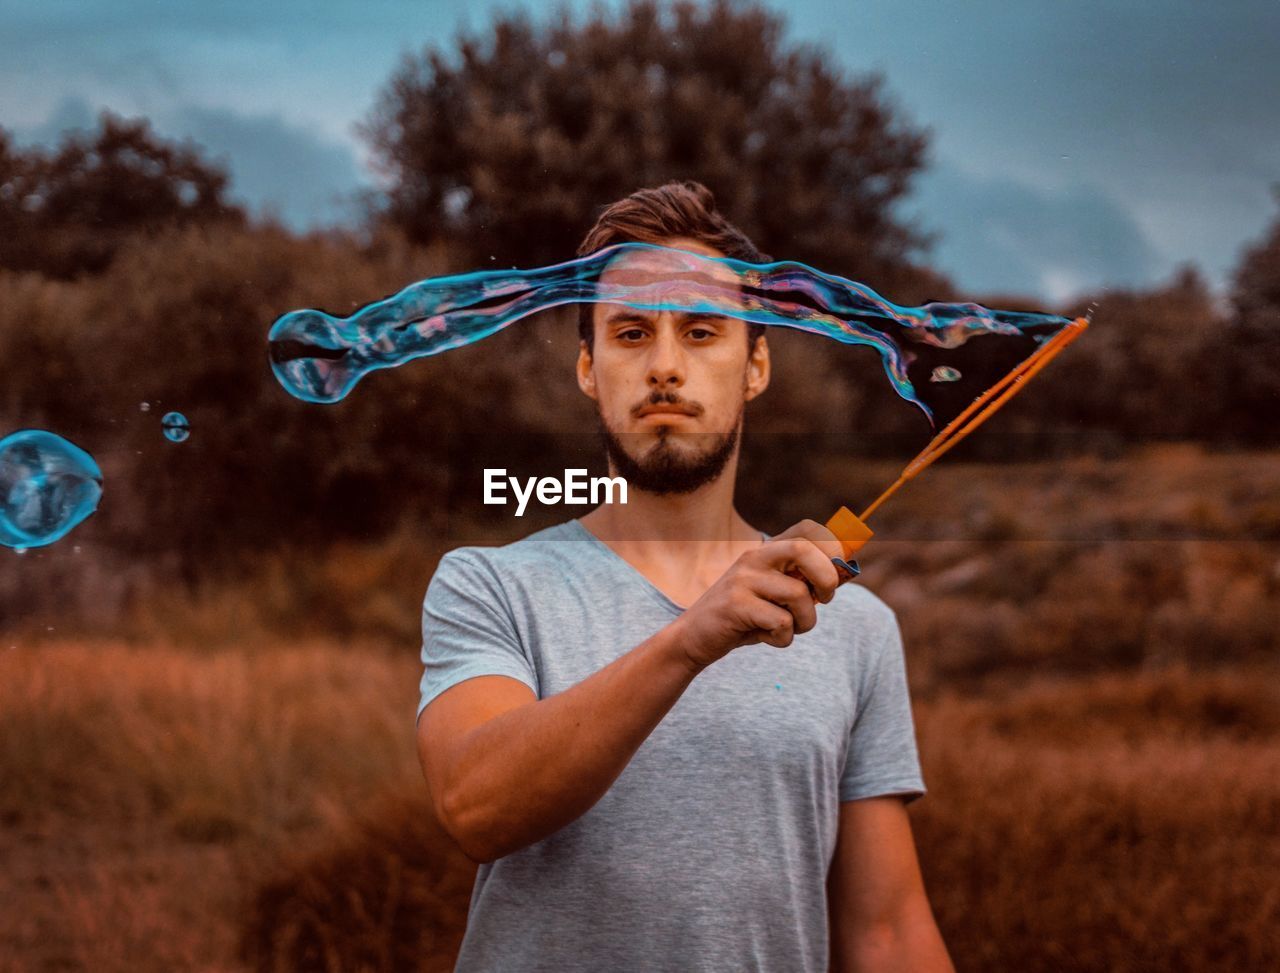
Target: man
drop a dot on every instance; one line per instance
(662, 753)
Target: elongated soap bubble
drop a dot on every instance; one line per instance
(319, 357)
(47, 486)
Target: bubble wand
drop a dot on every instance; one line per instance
(852, 530)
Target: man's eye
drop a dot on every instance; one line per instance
(631, 334)
(701, 333)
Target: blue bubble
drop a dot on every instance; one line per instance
(175, 426)
(47, 486)
(319, 357)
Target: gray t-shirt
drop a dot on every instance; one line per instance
(711, 849)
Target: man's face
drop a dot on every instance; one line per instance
(669, 386)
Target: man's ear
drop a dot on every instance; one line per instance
(758, 368)
(586, 377)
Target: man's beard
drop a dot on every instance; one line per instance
(665, 470)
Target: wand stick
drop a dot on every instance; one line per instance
(852, 530)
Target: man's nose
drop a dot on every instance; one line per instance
(666, 363)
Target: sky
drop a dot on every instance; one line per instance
(1074, 145)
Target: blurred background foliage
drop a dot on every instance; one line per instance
(130, 286)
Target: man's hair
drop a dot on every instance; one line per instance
(675, 209)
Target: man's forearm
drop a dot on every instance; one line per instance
(528, 772)
(911, 942)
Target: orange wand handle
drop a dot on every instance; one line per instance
(852, 530)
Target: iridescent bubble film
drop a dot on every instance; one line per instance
(319, 357)
(944, 373)
(176, 427)
(47, 486)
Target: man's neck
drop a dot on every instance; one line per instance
(681, 542)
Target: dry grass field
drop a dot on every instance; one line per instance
(164, 811)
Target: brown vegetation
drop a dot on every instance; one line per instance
(147, 788)
(1122, 823)
(263, 809)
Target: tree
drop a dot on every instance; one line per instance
(1253, 382)
(1146, 370)
(505, 149)
(67, 212)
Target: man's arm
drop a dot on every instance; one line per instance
(880, 917)
(505, 769)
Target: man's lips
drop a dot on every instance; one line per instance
(666, 410)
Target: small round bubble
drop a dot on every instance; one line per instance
(945, 373)
(175, 426)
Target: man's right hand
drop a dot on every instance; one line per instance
(767, 595)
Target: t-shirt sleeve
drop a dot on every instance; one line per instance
(882, 758)
(468, 629)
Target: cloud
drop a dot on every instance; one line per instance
(303, 177)
(1170, 106)
(999, 234)
(70, 114)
